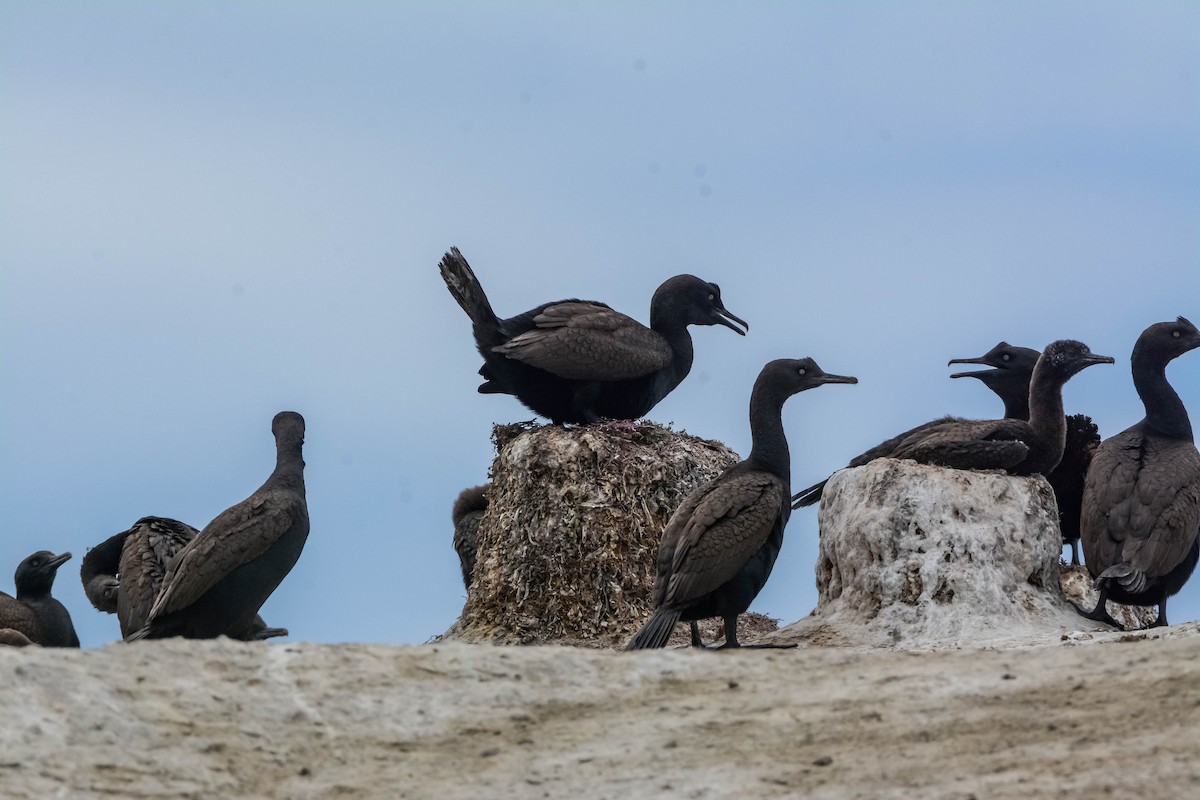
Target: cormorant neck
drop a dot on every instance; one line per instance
(769, 447)
(289, 465)
(1046, 416)
(1165, 412)
(35, 592)
(678, 339)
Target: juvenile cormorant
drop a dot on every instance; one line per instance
(123, 574)
(1012, 368)
(1141, 501)
(220, 578)
(579, 360)
(720, 544)
(1017, 446)
(34, 613)
(466, 514)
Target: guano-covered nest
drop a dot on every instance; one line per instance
(568, 544)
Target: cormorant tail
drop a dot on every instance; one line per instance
(1131, 578)
(465, 287)
(809, 496)
(655, 632)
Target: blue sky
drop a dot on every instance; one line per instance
(213, 212)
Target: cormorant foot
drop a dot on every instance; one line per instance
(1099, 614)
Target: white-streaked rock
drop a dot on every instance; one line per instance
(916, 557)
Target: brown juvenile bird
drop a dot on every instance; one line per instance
(220, 579)
(579, 360)
(1017, 446)
(466, 514)
(124, 574)
(1141, 501)
(34, 613)
(719, 546)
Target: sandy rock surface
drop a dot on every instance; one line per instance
(1098, 715)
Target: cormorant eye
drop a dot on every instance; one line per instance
(712, 296)
(37, 562)
(1176, 334)
(802, 371)
(1005, 357)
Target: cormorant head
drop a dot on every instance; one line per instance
(1164, 341)
(288, 428)
(692, 301)
(1066, 357)
(35, 575)
(1003, 358)
(798, 374)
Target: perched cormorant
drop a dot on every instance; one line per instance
(34, 613)
(579, 360)
(720, 544)
(1012, 368)
(1017, 446)
(467, 512)
(220, 578)
(1141, 501)
(123, 574)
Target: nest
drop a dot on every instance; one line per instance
(568, 544)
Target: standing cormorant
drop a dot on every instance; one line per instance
(124, 574)
(1141, 501)
(720, 544)
(579, 360)
(1017, 446)
(220, 579)
(466, 514)
(34, 613)
(1009, 376)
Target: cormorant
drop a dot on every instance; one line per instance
(1012, 368)
(720, 544)
(34, 613)
(123, 574)
(220, 578)
(466, 514)
(1019, 447)
(579, 360)
(1141, 501)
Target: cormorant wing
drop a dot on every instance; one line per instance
(152, 545)
(968, 443)
(731, 518)
(579, 340)
(223, 546)
(20, 617)
(1146, 504)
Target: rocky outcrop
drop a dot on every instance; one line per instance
(567, 545)
(917, 557)
(201, 719)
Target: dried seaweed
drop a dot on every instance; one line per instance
(568, 544)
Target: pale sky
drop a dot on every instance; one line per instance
(211, 212)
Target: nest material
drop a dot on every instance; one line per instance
(568, 544)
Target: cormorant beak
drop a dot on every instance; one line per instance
(727, 318)
(58, 561)
(978, 374)
(827, 378)
(1092, 358)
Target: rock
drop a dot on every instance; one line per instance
(220, 718)
(916, 557)
(567, 546)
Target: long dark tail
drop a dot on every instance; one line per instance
(655, 632)
(809, 496)
(465, 287)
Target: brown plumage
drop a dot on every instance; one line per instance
(220, 579)
(466, 515)
(719, 546)
(124, 574)
(10, 637)
(1020, 447)
(579, 360)
(1141, 501)
(34, 612)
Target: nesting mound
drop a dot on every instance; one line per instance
(915, 557)
(567, 546)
